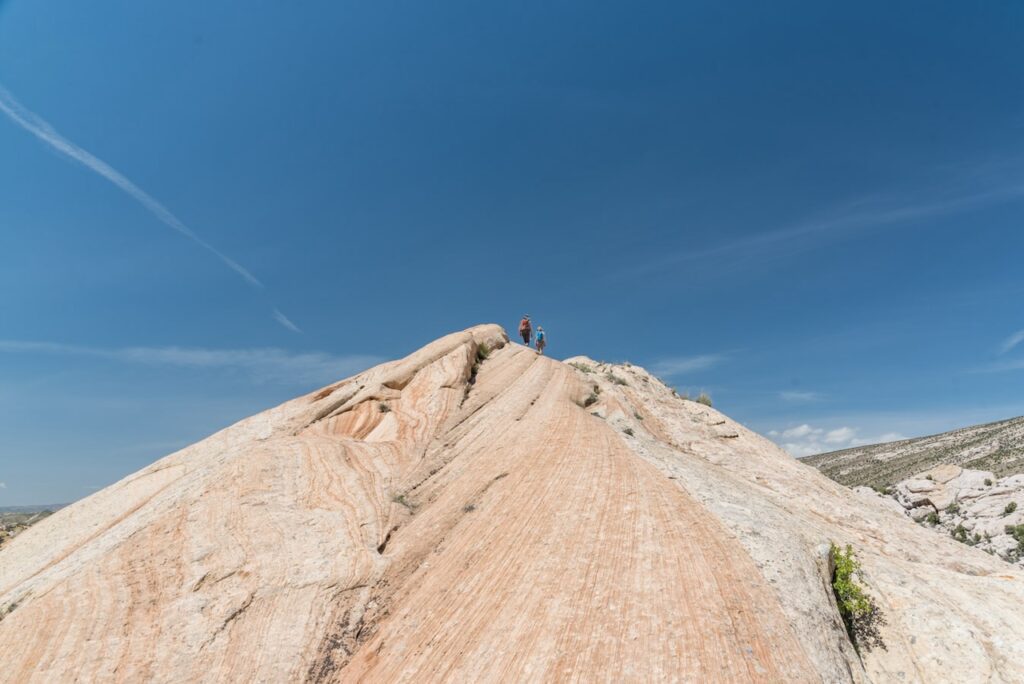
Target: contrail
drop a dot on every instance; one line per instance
(285, 321)
(45, 132)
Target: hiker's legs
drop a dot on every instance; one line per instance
(526, 337)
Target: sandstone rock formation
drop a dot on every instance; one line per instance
(995, 447)
(475, 512)
(972, 506)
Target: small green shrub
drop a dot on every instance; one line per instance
(383, 408)
(704, 398)
(1010, 508)
(1017, 532)
(953, 508)
(400, 499)
(629, 431)
(988, 482)
(581, 367)
(469, 508)
(860, 614)
(482, 352)
(932, 519)
(615, 379)
(636, 414)
(959, 533)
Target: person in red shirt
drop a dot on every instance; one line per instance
(526, 330)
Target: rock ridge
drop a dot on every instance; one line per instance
(476, 512)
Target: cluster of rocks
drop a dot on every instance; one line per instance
(973, 506)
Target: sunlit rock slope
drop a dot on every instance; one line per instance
(477, 513)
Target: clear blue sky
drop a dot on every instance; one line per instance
(812, 211)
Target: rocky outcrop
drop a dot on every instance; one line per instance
(475, 512)
(972, 506)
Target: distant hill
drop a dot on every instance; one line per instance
(996, 447)
(32, 509)
(14, 522)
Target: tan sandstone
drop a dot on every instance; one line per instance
(447, 518)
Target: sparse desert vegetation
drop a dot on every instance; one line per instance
(13, 523)
(859, 611)
(996, 447)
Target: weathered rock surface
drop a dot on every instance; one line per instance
(446, 518)
(971, 505)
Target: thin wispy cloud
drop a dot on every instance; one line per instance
(42, 130)
(854, 218)
(268, 364)
(797, 396)
(35, 125)
(285, 321)
(1011, 342)
(672, 367)
(1002, 366)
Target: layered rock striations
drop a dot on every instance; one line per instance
(475, 512)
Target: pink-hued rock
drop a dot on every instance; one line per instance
(443, 518)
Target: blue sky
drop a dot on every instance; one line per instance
(811, 211)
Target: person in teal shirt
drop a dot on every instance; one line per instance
(542, 340)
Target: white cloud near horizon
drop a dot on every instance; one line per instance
(675, 366)
(806, 440)
(42, 130)
(267, 364)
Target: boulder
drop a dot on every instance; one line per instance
(919, 513)
(973, 479)
(943, 473)
(918, 485)
(943, 497)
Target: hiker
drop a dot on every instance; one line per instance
(525, 330)
(541, 339)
